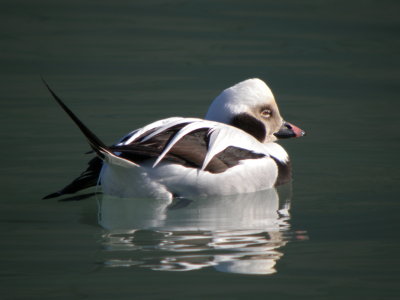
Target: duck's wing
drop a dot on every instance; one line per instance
(187, 143)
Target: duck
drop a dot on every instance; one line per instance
(232, 150)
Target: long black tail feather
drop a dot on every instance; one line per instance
(90, 176)
(97, 145)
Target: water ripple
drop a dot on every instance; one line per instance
(238, 234)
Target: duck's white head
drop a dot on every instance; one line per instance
(251, 106)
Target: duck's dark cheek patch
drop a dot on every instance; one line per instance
(251, 125)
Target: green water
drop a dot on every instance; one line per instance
(333, 67)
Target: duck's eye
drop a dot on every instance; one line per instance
(266, 113)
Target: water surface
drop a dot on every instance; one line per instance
(333, 67)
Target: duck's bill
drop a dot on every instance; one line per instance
(288, 130)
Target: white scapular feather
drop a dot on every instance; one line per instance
(180, 134)
(160, 123)
(217, 143)
(169, 125)
(222, 136)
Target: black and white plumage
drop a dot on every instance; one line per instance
(231, 151)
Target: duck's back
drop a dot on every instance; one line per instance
(185, 156)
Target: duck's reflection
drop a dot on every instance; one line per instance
(239, 234)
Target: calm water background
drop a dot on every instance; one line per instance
(334, 69)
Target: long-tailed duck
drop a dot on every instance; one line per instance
(231, 151)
